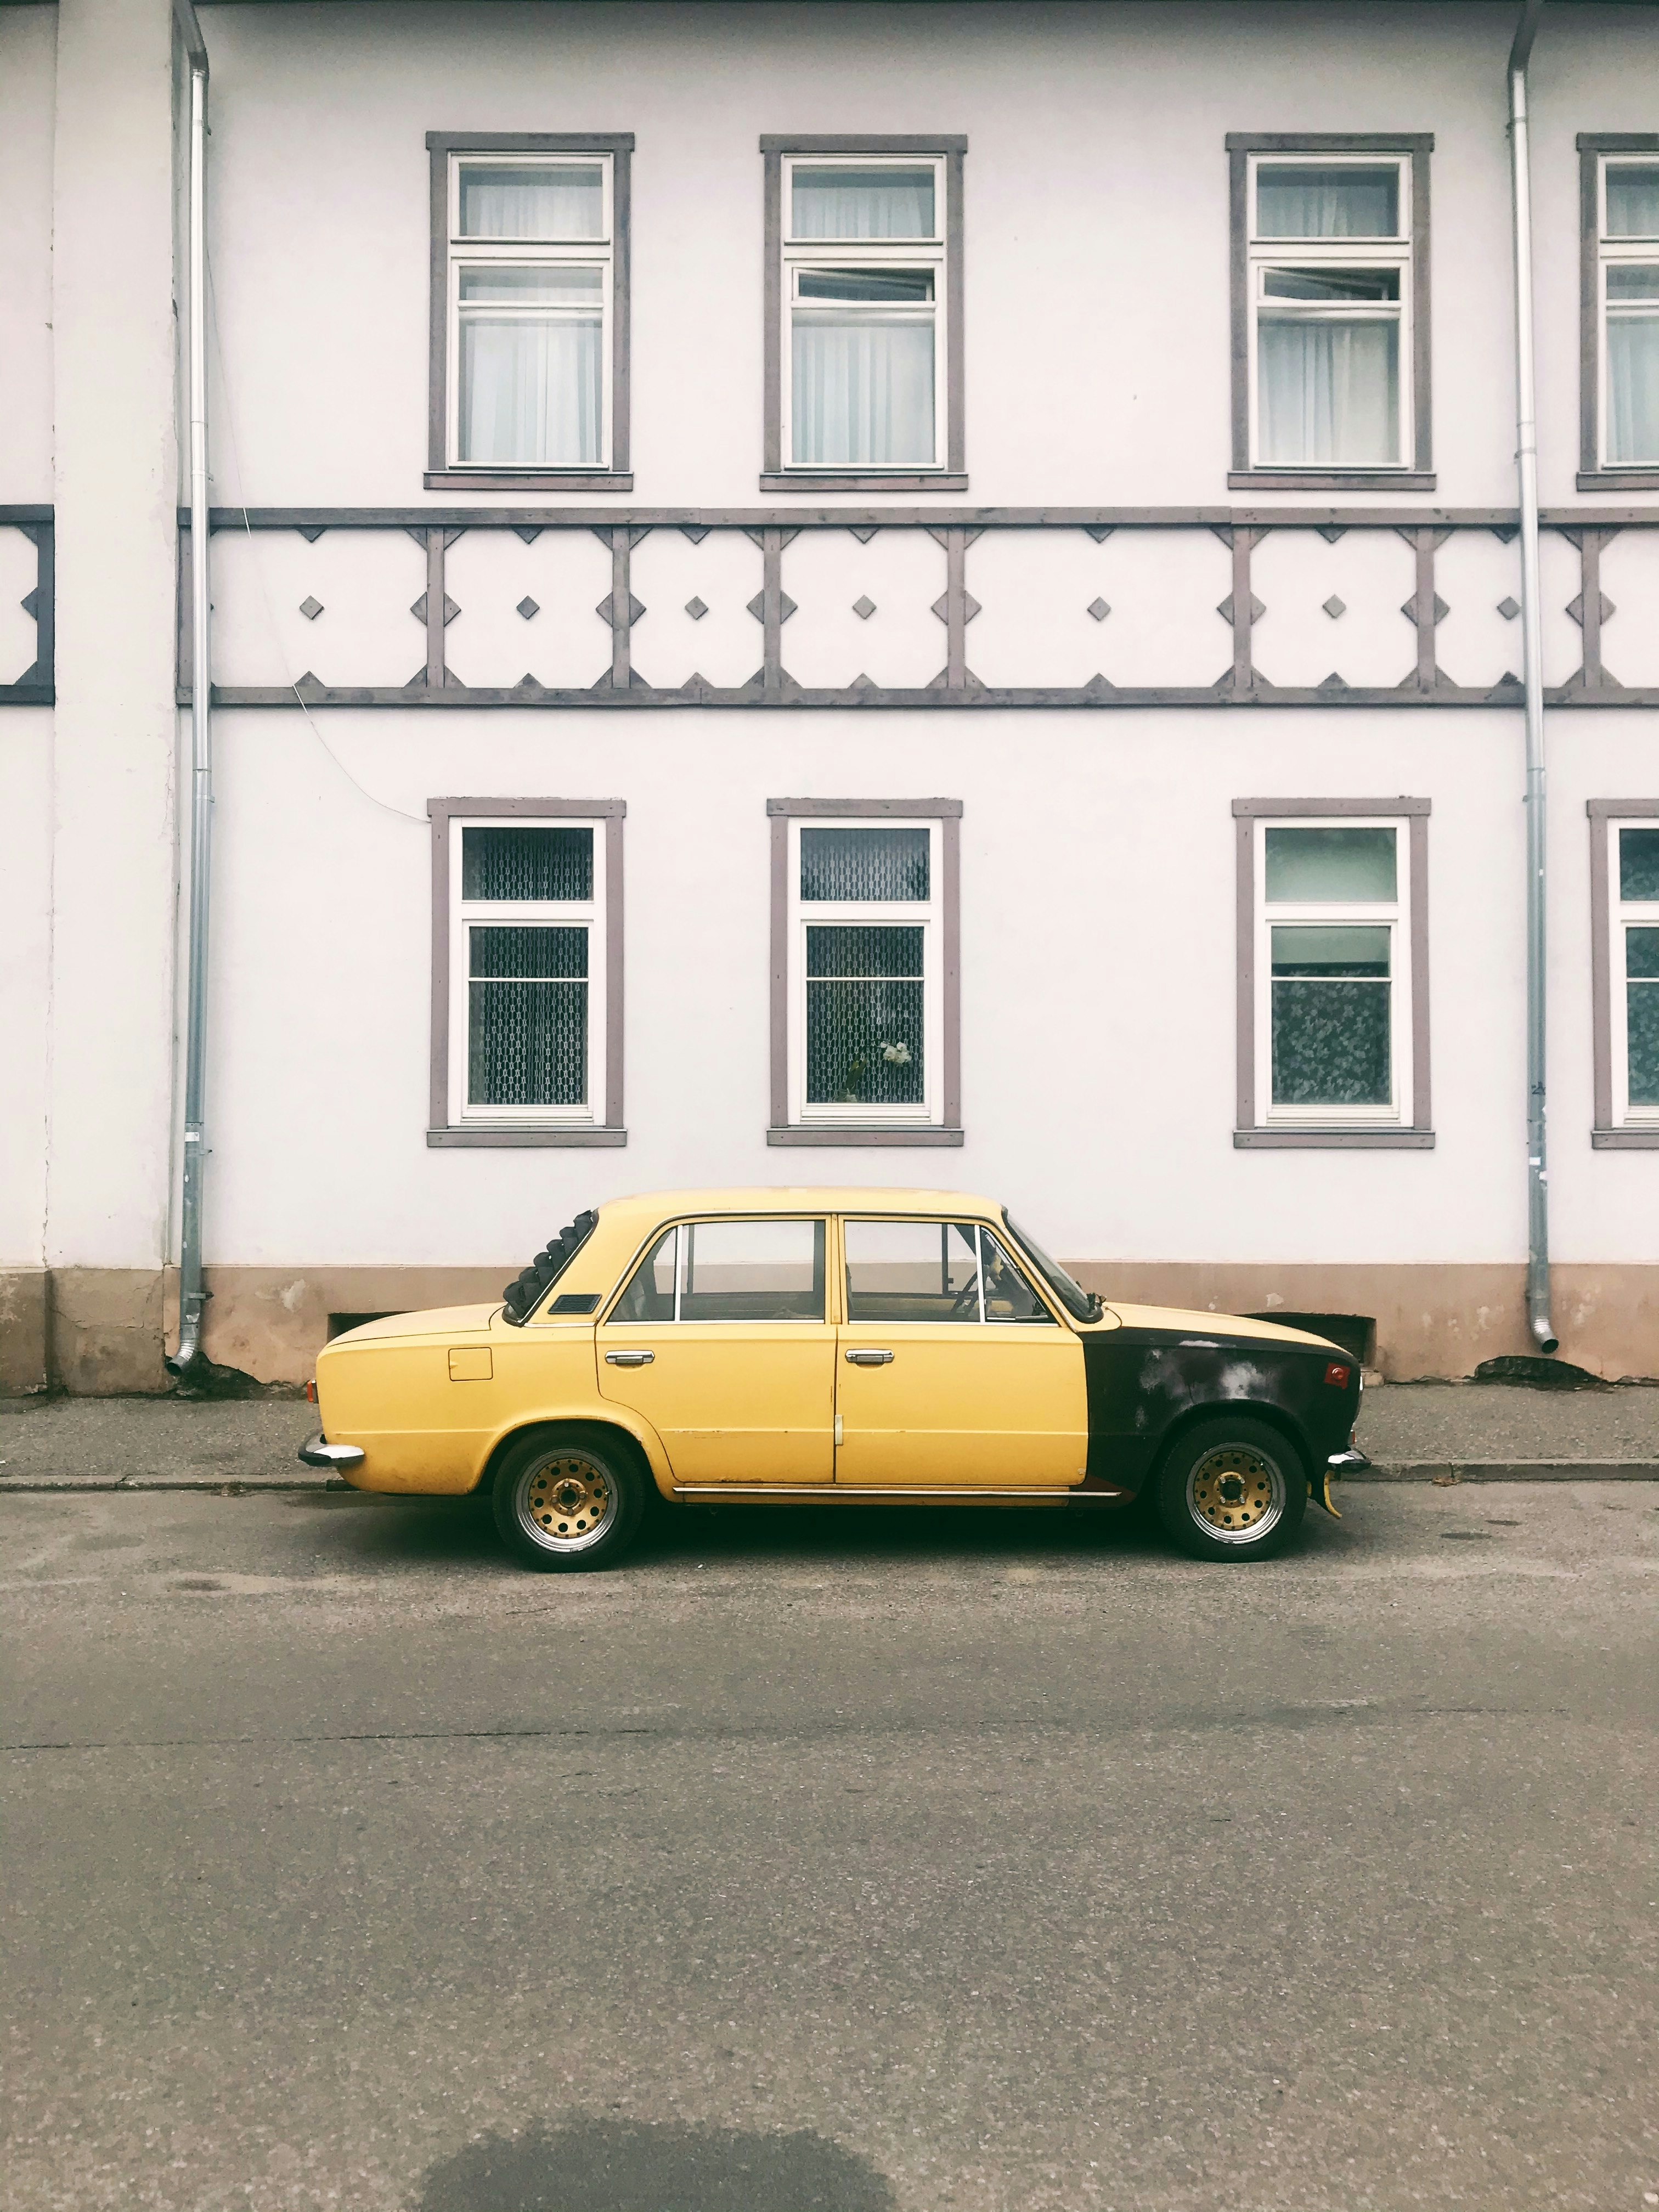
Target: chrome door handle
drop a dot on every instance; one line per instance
(859, 1357)
(629, 1358)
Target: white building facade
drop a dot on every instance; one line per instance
(921, 594)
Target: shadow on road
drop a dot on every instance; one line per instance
(630, 2166)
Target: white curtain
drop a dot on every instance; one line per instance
(530, 391)
(862, 392)
(1329, 392)
(862, 203)
(1633, 388)
(1304, 203)
(532, 202)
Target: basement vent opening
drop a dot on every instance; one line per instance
(1355, 1332)
(339, 1323)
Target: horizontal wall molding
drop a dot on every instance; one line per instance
(897, 518)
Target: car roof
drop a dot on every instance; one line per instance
(810, 1198)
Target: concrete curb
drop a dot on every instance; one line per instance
(220, 1486)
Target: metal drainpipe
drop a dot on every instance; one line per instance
(191, 1295)
(1541, 1326)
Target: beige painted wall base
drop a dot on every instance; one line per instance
(102, 1331)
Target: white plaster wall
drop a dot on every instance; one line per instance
(1097, 296)
(27, 44)
(1097, 947)
(25, 949)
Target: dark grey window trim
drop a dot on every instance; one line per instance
(441, 1132)
(774, 476)
(1605, 1136)
(1419, 476)
(36, 686)
(947, 812)
(439, 475)
(1592, 476)
(1251, 1134)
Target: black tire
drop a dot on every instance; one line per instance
(568, 1500)
(1233, 1488)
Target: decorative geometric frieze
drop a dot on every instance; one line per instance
(450, 610)
(1330, 532)
(696, 609)
(1509, 609)
(970, 606)
(530, 532)
(864, 531)
(606, 611)
(1575, 609)
(696, 531)
(863, 682)
(528, 608)
(29, 602)
(312, 608)
(1100, 531)
(311, 531)
(1334, 683)
(1098, 609)
(1336, 608)
(757, 606)
(864, 608)
(1225, 609)
(1408, 607)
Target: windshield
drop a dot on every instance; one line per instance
(1081, 1304)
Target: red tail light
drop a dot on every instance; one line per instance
(1337, 1375)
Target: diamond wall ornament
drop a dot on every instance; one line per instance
(696, 608)
(1509, 609)
(941, 606)
(310, 609)
(757, 606)
(527, 607)
(864, 609)
(1099, 609)
(1437, 610)
(1335, 608)
(451, 610)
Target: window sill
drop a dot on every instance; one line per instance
(920, 1134)
(1331, 480)
(530, 480)
(857, 480)
(1624, 1140)
(1618, 480)
(482, 1136)
(1331, 1140)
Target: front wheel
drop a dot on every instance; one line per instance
(1233, 1488)
(570, 1501)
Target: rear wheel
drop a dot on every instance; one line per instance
(567, 1500)
(1233, 1488)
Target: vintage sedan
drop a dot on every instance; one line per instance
(795, 1346)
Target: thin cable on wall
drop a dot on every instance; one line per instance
(386, 806)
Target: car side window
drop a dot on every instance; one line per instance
(729, 1271)
(912, 1271)
(1008, 1295)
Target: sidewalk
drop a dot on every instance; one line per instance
(1413, 1433)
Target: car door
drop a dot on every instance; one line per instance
(952, 1371)
(720, 1341)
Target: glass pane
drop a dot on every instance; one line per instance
(1071, 1295)
(1319, 864)
(1008, 1295)
(1296, 200)
(1330, 1044)
(650, 1295)
(864, 1017)
(1633, 280)
(752, 1271)
(875, 203)
(911, 1271)
(1642, 955)
(1632, 200)
(1638, 864)
(527, 1018)
(900, 284)
(1328, 391)
(532, 288)
(530, 393)
(527, 864)
(1311, 950)
(1632, 387)
(1642, 1038)
(864, 864)
(862, 389)
(1338, 284)
(518, 200)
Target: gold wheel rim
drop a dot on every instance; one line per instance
(567, 1502)
(1236, 1494)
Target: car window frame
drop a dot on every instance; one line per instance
(830, 1318)
(1009, 1245)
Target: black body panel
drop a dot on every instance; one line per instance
(1142, 1381)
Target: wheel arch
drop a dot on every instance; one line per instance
(652, 1464)
(1257, 1409)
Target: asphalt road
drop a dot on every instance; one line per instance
(875, 1863)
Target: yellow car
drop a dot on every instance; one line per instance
(791, 1345)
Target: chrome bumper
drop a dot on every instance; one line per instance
(1352, 1462)
(317, 1451)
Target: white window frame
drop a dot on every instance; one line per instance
(926, 914)
(1625, 914)
(1611, 253)
(586, 252)
(589, 914)
(1262, 254)
(831, 257)
(1395, 915)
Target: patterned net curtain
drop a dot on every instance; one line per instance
(526, 1016)
(1332, 1043)
(873, 865)
(864, 1016)
(529, 863)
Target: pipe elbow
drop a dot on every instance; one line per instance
(1544, 1333)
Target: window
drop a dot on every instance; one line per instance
(724, 1270)
(1333, 1034)
(1624, 899)
(865, 971)
(526, 972)
(864, 357)
(934, 1271)
(1620, 371)
(1330, 310)
(530, 312)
